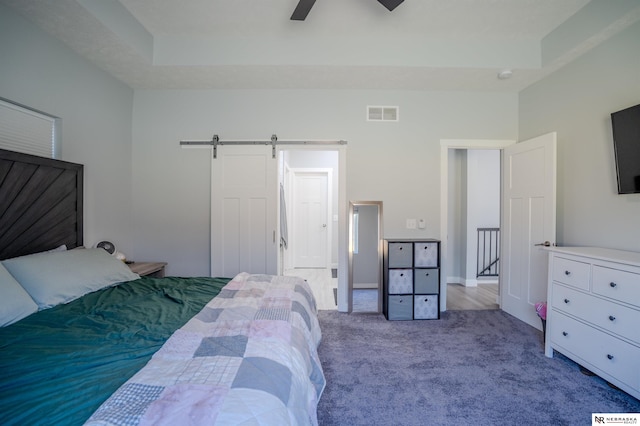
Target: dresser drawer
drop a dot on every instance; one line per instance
(400, 255)
(425, 254)
(571, 272)
(611, 316)
(607, 353)
(425, 306)
(400, 308)
(617, 284)
(400, 281)
(427, 281)
(573, 302)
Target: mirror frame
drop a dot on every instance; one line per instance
(352, 205)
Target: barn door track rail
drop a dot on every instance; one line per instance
(215, 142)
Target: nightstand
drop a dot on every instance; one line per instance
(149, 269)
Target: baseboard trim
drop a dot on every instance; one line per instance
(364, 286)
(471, 282)
(463, 281)
(488, 281)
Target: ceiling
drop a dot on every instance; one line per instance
(343, 44)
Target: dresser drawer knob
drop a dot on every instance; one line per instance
(426, 299)
(612, 284)
(566, 300)
(609, 356)
(565, 334)
(567, 273)
(612, 318)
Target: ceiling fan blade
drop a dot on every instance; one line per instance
(302, 10)
(390, 4)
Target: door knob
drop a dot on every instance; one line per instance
(545, 244)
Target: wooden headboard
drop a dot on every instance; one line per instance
(40, 204)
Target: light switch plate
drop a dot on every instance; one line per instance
(411, 224)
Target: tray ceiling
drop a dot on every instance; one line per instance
(342, 44)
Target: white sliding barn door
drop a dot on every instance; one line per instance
(243, 211)
(529, 219)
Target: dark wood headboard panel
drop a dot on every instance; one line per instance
(40, 204)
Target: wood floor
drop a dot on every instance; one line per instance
(482, 297)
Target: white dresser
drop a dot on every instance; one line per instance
(593, 312)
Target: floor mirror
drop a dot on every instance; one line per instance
(365, 256)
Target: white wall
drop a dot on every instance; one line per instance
(577, 101)
(397, 163)
(96, 110)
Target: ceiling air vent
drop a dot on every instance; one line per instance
(382, 113)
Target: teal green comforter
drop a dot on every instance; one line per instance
(58, 365)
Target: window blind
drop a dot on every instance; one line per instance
(28, 131)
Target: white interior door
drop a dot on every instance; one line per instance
(310, 219)
(529, 218)
(243, 211)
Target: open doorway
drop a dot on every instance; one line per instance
(309, 212)
(474, 231)
(459, 226)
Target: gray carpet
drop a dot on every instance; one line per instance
(470, 367)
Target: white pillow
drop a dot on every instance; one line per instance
(62, 276)
(15, 303)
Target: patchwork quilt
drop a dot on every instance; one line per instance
(249, 357)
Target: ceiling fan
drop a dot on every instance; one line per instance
(304, 6)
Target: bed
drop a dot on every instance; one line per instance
(85, 340)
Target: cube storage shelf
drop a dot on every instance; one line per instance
(411, 279)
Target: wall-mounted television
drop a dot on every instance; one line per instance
(626, 143)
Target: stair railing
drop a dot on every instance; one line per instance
(488, 252)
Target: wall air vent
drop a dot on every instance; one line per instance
(383, 113)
